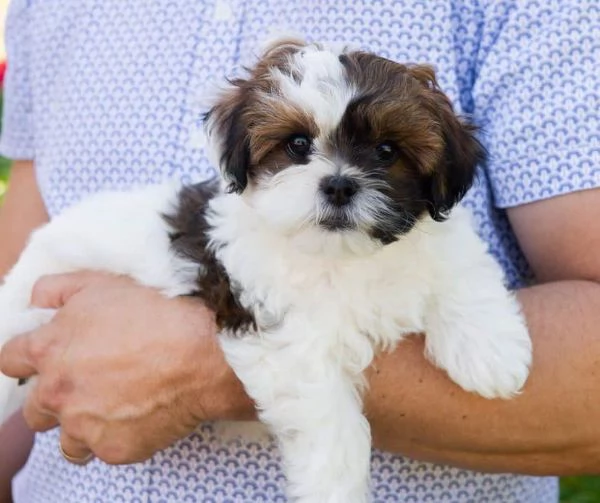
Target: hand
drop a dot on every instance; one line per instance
(124, 371)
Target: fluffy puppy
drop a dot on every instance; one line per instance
(331, 237)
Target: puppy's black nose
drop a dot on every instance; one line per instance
(338, 190)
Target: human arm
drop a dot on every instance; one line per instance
(22, 211)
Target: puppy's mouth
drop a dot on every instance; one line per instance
(338, 221)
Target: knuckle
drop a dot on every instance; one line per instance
(38, 348)
(36, 419)
(72, 425)
(50, 393)
(41, 290)
(49, 403)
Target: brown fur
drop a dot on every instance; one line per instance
(270, 123)
(189, 239)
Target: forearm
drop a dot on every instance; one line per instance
(23, 210)
(551, 428)
(16, 440)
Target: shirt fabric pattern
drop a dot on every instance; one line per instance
(107, 94)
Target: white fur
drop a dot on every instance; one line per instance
(325, 302)
(324, 91)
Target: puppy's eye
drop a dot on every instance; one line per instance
(298, 146)
(386, 152)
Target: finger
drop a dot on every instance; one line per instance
(16, 359)
(55, 290)
(37, 417)
(74, 451)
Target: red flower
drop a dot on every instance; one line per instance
(2, 72)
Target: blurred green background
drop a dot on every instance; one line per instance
(4, 167)
(580, 490)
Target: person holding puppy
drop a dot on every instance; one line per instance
(133, 378)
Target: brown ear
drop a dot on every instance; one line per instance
(462, 152)
(227, 131)
(457, 168)
(227, 123)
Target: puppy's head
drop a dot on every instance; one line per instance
(342, 141)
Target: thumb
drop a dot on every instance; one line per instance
(54, 291)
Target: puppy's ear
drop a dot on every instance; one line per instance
(228, 135)
(456, 168)
(227, 123)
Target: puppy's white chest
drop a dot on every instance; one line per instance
(360, 298)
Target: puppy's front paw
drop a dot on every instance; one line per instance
(489, 360)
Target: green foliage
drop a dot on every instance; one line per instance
(4, 170)
(580, 490)
(4, 163)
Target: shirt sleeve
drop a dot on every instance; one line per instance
(16, 137)
(537, 99)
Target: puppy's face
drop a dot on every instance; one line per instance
(342, 141)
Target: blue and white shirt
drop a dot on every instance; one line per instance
(108, 93)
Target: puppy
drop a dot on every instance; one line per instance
(334, 233)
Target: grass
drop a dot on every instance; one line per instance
(580, 490)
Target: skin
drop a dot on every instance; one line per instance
(109, 335)
(22, 211)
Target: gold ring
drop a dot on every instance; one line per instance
(76, 461)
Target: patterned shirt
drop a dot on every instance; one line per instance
(109, 93)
